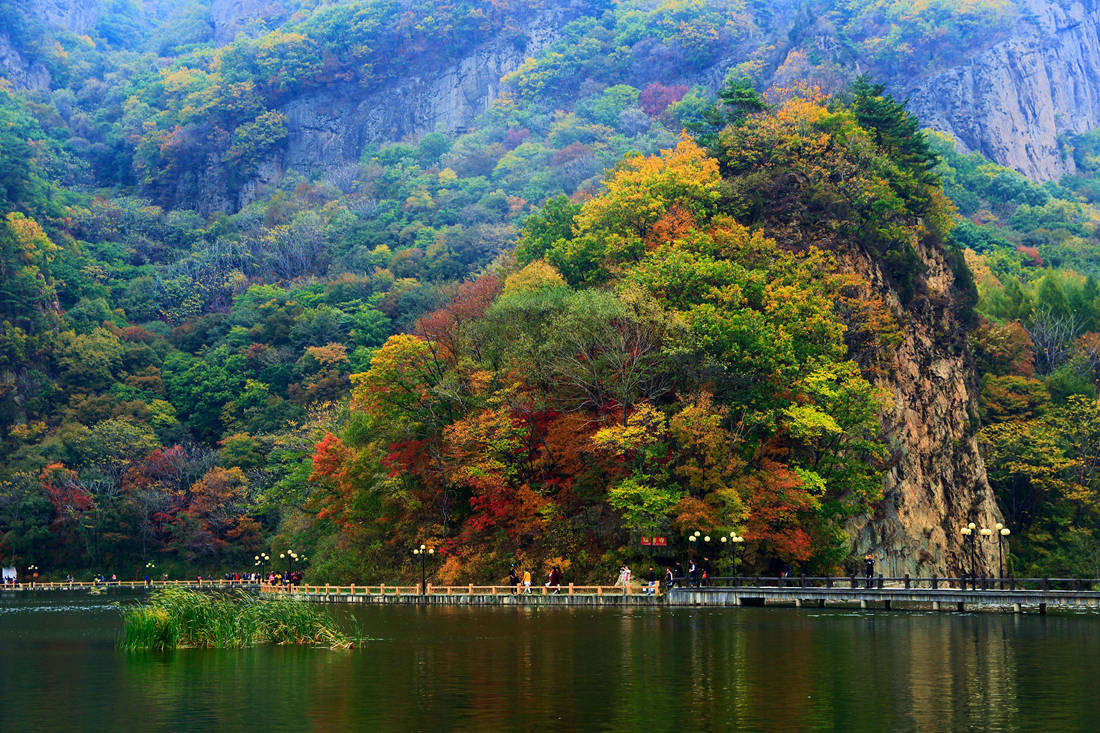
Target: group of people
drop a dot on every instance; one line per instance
(294, 578)
(650, 582)
(516, 581)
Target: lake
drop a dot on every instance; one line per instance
(498, 669)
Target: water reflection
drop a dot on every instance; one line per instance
(464, 669)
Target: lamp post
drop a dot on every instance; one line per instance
(693, 542)
(1002, 536)
(262, 561)
(32, 573)
(149, 566)
(736, 539)
(422, 552)
(705, 568)
(290, 557)
(968, 533)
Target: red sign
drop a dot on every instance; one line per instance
(660, 541)
(646, 542)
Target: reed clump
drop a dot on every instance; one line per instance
(179, 617)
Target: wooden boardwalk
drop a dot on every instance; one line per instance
(131, 584)
(1015, 595)
(933, 594)
(633, 594)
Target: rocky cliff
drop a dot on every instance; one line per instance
(328, 126)
(936, 481)
(1016, 101)
(19, 66)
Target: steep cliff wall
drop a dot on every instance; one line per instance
(936, 482)
(21, 68)
(1015, 101)
(328, 127)
(232, 17)
(22, 72)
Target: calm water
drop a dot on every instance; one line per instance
(471, 669)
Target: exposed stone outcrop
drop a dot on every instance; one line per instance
(78, 16)
(328, 126)
(21, 72)
(936, 482)
(233, 17)
(1015, 101)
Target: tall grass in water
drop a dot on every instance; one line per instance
(178, 617)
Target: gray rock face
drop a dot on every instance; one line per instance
(78, 16)
(22, 74)
(329, 128)
(1013, 101)
(936, 482)
(233, 17)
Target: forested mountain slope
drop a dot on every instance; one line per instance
(218, 215)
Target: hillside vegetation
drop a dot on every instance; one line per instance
(536, 339)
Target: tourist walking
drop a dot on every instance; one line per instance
(513, 579)
(652, 584)
(624, 576)
(693, 574)
(555, 579)
(868, 565)
(527, 581)
(669, 578)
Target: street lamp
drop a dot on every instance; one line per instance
(422, 552)
(968, 533)
(1002, 535)
(736, 539)
(148, 569)
(261, 562)
(32, 571)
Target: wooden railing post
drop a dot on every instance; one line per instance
(935, 582)
(907, 581)
(570, 589)
(852, 578)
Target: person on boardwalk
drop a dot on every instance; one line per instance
(513, 579)
(693, 574)
(527, 581)
(651, 584)
(679, 575)
(669, 578)
(868, 565)
(624, 577)
(555, 579)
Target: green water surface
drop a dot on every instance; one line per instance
(500, 669)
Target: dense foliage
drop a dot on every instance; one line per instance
(186, 339)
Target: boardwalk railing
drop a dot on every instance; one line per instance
(88, 584)
(567, 589)
(907, 582)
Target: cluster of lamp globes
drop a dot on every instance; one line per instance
(262, 558)
(291, 554)
(733, 537)
(423, 550)
(999, 528)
